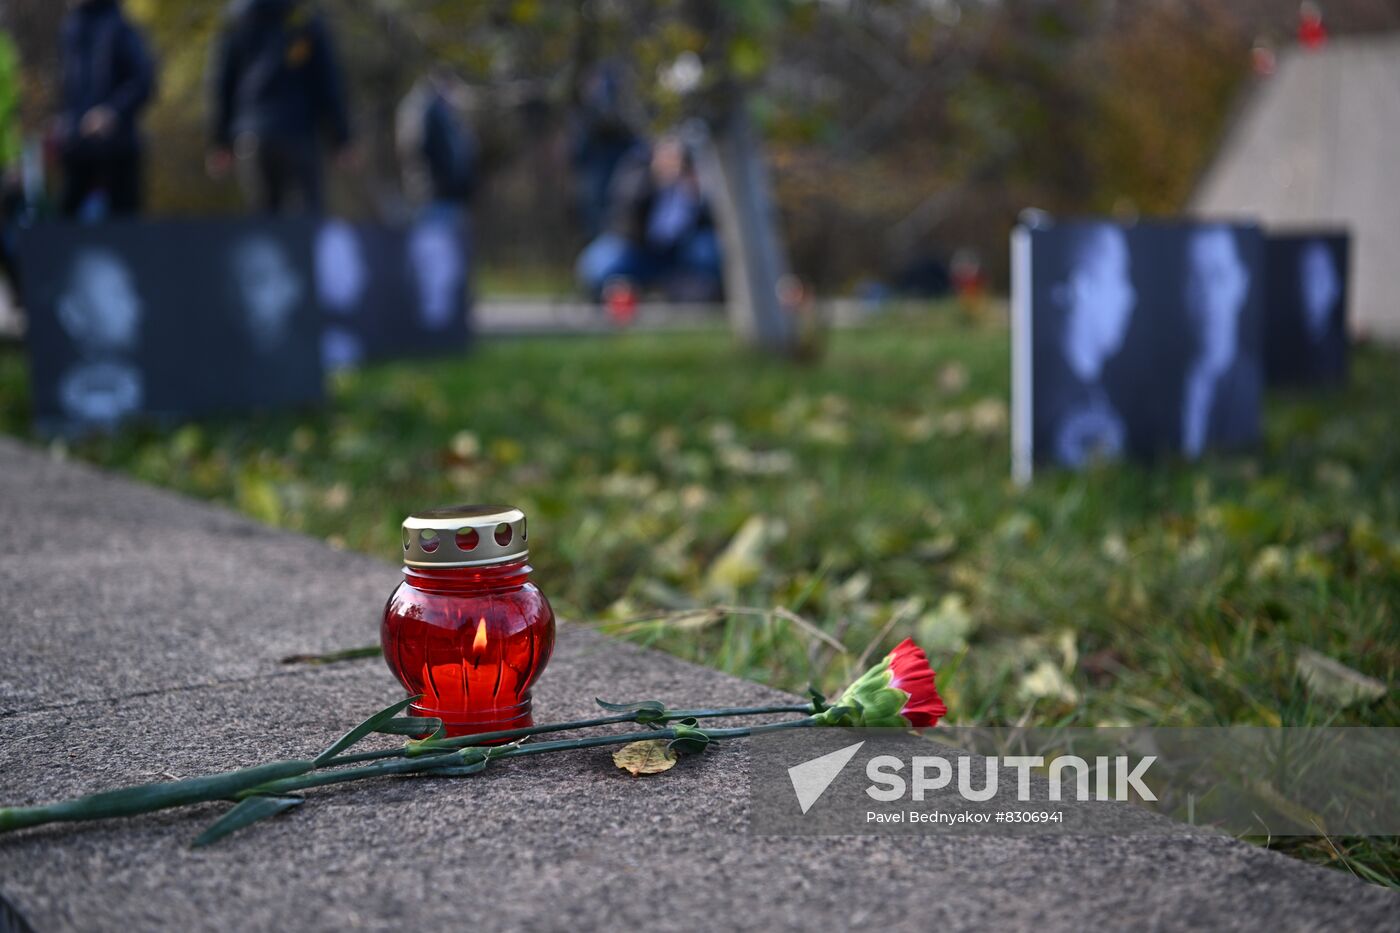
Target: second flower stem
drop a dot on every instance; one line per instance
(474, 754)
(506, 735)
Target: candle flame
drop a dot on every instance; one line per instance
(479, 642)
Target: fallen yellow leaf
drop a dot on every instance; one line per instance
(649, 756)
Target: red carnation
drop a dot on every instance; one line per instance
(897, 692)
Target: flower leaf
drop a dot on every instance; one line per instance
(628, 707)
(363, 729)
(463, 770)
(689, 740)
(646, 710)
(247, 811)
(649, 756)
(430, 727)
(429, 746)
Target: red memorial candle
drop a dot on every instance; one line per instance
(466, 628)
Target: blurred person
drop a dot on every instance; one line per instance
(277, 92)
(438, 152)
(107, 81)
(969, 281)
(603, 134)
(1222, 387)
(437, 149)
(1098, 299)
(11, 152)
(101, 312)
(660, 231)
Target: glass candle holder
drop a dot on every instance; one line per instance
(466, 629)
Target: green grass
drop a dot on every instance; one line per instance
(869, 495)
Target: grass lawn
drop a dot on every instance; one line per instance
(859, 501)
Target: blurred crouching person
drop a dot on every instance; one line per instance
(660, 233)
(278, 92)
(438, 156)
(108, 79)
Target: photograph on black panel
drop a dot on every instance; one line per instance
(1144, 340)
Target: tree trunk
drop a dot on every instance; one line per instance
(729, 159)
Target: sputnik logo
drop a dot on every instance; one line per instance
(811, 778)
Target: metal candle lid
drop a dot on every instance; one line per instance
(464, 536)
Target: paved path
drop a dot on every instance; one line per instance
(140, 633)
(504, 316)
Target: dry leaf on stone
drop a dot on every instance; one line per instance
(649, 756)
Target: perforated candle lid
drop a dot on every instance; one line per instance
(464, 536)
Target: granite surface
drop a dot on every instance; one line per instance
(141, 634)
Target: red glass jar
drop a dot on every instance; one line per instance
(466, 628)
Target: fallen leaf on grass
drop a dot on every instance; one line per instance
(742, 560)
(1336, 682)
(947, 626)
(649, 756)
(1047, 682)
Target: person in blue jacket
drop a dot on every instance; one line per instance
(108, 79)
(278, 93)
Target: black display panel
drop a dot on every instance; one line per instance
(1135, 341)
(392, 292)
(168, 319)
(1305, 316)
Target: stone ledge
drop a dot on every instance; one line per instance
(567, 842)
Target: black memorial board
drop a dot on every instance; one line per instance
(392, 292)
(168, 319)
(1134, 341)
(1305, 308)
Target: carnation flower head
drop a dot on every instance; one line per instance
(899, 691)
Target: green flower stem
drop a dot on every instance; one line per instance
(596, 741)
(281, 777)
(144, 798)
(322, 778)
(474, 754)
(505, 735)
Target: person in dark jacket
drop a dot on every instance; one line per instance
(437, 148)
(108, 78)
(277, 92)
(603, 131)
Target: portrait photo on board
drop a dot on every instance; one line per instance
(392, 292)
(168, 320)
(1305, 308)
(1134, 341)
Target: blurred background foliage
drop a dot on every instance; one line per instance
(898, 129)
